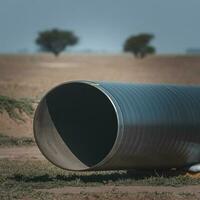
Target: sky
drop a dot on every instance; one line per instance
(101, 25)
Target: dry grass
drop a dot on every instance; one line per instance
(6, 141)
(15, 107)
(16, 116)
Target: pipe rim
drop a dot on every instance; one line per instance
(119, 133)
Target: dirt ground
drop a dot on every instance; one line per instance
(126, 189)
(128, 192)
(21, 153)
(16, 128)
(31, 76)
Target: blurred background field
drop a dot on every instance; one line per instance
(23, 76)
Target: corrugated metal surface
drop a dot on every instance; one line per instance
(158, 126)
(161, 125)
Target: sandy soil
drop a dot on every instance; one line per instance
(21, 153)
(16, 128)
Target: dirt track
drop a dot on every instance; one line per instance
(126, 189)
(21, 153)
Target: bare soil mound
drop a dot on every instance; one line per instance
(16, 128)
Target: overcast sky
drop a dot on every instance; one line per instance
(102, 25)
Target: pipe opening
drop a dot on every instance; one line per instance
(75, 126)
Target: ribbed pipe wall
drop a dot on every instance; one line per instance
(140, 126)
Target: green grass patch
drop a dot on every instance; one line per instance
(15, 107)
(20, 179)
(12, 141)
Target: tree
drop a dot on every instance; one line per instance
(139, 45)
(56, 40)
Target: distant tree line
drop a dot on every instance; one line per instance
(139, 45)
(56, 41)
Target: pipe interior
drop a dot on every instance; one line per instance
(86, 122)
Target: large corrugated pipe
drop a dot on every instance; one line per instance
(86, 125)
